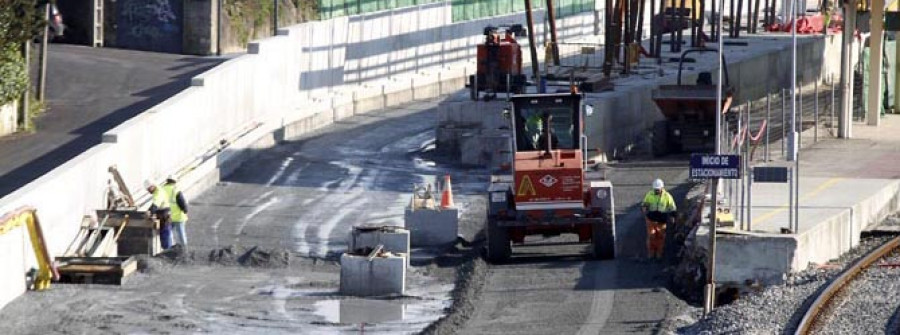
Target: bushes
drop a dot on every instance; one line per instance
(13, 75)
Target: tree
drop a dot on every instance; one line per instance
(20, 21)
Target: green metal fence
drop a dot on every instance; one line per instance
(463, 10)
(336, 8)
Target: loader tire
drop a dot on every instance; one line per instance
(603, 239)
(498, 247)
(660, 139)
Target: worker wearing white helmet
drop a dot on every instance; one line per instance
(658, 208)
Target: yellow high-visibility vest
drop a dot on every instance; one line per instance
(662, 202)
(175, 213)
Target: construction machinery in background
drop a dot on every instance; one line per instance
(689, 111)
(499, 67)
(549, 192)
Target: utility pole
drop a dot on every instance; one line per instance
(42, 64)
(535, 65)
(551, 17)
(710, 288)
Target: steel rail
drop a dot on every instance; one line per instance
(825, 297)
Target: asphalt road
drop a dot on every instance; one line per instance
(306, 195)
(89, 91)
(559, 290)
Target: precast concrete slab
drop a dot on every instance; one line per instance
(432, 227)
(377, 276)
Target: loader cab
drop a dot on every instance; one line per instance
(547, 122)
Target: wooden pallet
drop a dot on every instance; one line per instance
(96, 270)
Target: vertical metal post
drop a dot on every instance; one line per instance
(799, 125)
(42, 64)
(816, 114)
(791, 199)
(768, 120)
(792, 151)
(535, 66)
(710, 288)
(784, 125)
(740, 148)
(750, 200)
(551, 17)
(747, 164)
(833, 101)
(797, 194)
(845, 119)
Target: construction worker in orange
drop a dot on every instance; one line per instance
(659, 209)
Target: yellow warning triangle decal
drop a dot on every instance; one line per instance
(526, 188)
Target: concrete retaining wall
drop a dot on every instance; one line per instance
(285, 87)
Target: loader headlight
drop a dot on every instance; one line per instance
(676, 132)
(602, 194)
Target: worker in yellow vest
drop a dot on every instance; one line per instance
(659, 210)
(160, 206)
(179, 212)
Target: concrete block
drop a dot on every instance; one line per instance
(379, 276)
(394, 239)
(432, 227)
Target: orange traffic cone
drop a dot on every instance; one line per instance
(447, 195)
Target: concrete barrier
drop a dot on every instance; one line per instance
(378, 276)
(432, 227)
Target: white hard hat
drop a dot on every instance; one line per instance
(148, 184)
(658, 184)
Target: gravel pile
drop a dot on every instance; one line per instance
(773, 309)
(870, 302)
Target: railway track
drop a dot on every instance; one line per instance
(860, 300)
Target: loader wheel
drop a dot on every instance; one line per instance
(603, 239)
(660, 139)
(498, 247)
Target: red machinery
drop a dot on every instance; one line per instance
(549, 191)
(499, 63)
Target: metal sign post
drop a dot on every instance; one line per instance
(710, 288)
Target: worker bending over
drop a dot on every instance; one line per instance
(161, 207)
(659, 209)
